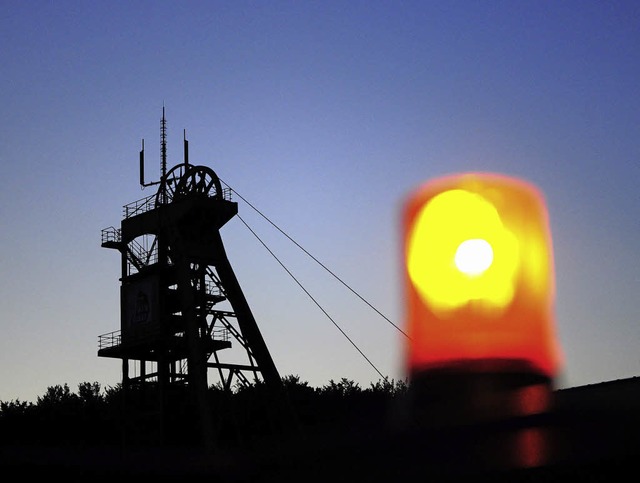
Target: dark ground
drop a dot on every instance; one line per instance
(591, 434)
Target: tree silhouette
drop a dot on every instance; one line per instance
(242, 416)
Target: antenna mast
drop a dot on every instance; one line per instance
(163, 144)
(163, 160)
(163, 151)
(142, 183)
(186, 148)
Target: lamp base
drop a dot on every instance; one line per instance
(494, 413)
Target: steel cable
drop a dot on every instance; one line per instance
(311, 297)
(317, 261)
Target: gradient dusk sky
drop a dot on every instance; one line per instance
(325, 115)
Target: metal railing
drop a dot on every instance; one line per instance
(139, 206)
(220, 333)
(112, 339)
(212, 289)
(111, 234)
(149, 203)
(139, 256)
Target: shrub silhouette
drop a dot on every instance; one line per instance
(242, 416)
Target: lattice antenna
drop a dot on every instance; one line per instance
(163, 144)
(163, 158)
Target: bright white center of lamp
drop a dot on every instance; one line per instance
(473, 256)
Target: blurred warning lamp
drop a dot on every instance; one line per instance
(479, 276)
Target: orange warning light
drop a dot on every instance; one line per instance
(479, 276)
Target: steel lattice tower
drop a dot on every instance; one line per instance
(182, 307)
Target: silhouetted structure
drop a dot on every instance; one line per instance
(182, 308)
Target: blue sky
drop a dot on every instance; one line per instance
(324, 115)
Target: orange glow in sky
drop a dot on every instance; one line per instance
(479, 274)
